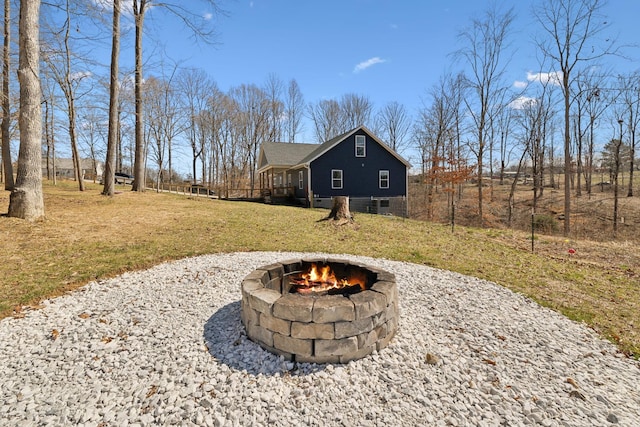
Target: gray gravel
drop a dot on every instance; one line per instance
(166, 346)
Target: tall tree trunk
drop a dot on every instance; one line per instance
(616, 172)
(567, 155)
(114, 92)
(480, 181)
(632, 154)
(26, 200)
(139, 161)
(70, 96)
(6, 111)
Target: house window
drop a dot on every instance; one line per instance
(300, 179)
(361, 148)
(336, 179)
(383, 179)
(289, 181)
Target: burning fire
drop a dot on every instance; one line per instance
(323, 279)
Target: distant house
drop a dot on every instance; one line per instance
(64, 168)
(355, 164)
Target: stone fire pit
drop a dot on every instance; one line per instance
(319, 328)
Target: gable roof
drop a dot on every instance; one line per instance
(286, 155)
(283, 154)
(323, 148)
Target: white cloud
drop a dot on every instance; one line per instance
(554, 77)
(368, 63)
(208, 16)
(523, 102)
(79, 75)
(106, 6)
(520, 84)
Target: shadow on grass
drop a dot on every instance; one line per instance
(227, 342)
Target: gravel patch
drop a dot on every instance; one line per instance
(166, 346)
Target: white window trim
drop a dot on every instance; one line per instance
(364, 145)
(300, 179)
(333, 187)
(380, 173)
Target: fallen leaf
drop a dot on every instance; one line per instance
(84, 315)
(153, 390)
(431, 359)
(572, 382)
(55, 334)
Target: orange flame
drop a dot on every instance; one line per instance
(324, 279)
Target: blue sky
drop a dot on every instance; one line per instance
(387, 50)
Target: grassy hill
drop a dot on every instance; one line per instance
(86, 236)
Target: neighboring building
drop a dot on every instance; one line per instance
(355, 164)
(64, 168)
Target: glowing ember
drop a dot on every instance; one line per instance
(322, 279)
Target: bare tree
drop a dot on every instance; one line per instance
(164, 121)
(504, 123)
(598, 99)
(326, 117)
(213, 117)
(532, 117)
(108, 175)
(393, 125)
(58, 58)
(197, 25)
(274, 89)
(591, 99)
(26, 200)
(92, 132)
(436, 132)
(196, 88)
(252, 120)
(617, 145)
(227, 127)
(355, 110)
(7, 166)
(571, 28)
(139, 11)
(485, 44)
(49, 101)
(294, 110)
(631, 101)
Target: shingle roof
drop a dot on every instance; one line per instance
(284, 154)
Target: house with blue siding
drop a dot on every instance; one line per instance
(355, 164)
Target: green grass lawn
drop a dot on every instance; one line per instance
(86, 236)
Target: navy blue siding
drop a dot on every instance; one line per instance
(300, 192)
(359, 174)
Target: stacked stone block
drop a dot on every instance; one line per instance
(318, 329)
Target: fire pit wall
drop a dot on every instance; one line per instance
(318, 329)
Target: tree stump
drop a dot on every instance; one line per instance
(340, 210)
